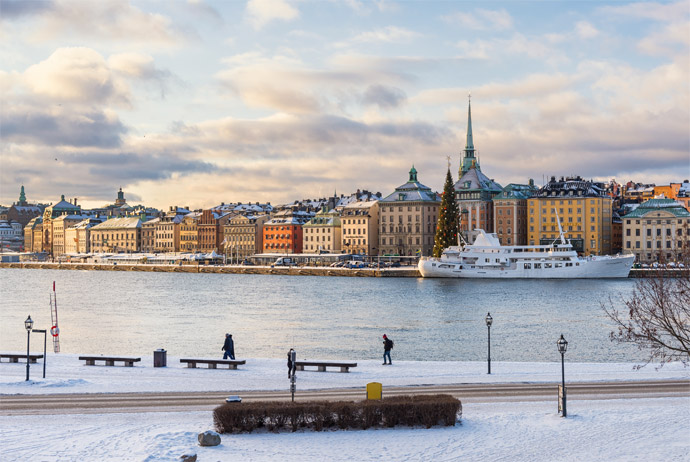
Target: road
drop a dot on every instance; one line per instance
(101, 403)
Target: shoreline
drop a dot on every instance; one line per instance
(413, 272)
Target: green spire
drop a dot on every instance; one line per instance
(22, 196)
(468, 161)
(413, 175)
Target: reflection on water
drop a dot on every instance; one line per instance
(321, 317)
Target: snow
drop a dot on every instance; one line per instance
(65, 373)
(647, 429)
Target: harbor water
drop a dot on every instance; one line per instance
(123, 313)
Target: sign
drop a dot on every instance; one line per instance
(374, 390)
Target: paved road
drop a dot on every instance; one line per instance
(98, 403)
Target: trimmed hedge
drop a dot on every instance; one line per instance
(420, 410)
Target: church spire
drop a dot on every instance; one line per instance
(468, 160)
(22, 197)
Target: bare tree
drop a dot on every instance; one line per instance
(658, 313)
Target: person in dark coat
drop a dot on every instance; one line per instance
(387, 347)
(289, 363)
(229, 347)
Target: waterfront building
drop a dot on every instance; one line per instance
(616, 233)
(656, 230)
(50, 213)
(684, 195)
(360, 228)
(77, 236)
(669, 191)
(60, 225)
(322, 234)
(283, 233)
(116, 235)
(584, 210)
(243, 236)
(408, 219)
(510, 213)
(33, 235)
(189, 232)
(11, 235)
(148, 235)
(21, 211)
(167, 230)
(474, 191)
(210, 227)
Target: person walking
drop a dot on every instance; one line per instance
(229, 347)
(289, 363)
(387, 347)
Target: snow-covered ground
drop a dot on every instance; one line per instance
(66, 374)
(648, 429)
(617, 430)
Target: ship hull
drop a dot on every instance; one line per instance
(595, 268)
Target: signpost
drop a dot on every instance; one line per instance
(293, 379)
(45, 336)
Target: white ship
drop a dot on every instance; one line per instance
(487, 258)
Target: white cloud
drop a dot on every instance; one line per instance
(585, 30)
(389, 34)
(261, 12)
(481, 19)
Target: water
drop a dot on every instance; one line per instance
(118, 313)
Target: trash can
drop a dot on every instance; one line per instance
(160, 358)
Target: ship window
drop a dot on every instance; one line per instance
(568, 264)
(537, 266)
(528, 266)
(558, 265)
(547, 265)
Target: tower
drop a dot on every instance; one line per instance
(469, 160)
(120, 198)
(22, 197)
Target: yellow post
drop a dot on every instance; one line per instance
(374, 390)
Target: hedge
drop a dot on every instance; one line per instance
(419, 410)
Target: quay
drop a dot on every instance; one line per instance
(404, 272)
(410, 272)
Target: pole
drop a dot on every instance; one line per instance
(563, 381)
(28, 339)
(489, 355)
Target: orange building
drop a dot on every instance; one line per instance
(284, 233)
(669, 191)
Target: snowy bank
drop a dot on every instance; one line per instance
(67, 374)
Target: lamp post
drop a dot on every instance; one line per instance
(28, 324)
(489, 320)
(562, 347)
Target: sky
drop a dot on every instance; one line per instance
(199, 102)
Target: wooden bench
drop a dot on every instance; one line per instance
(109, 360)
(14, 358)
(213, 363)
(322, 365)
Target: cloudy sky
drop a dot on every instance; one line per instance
(200, 102)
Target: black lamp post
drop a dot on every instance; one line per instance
(562, 347)
(489, 321)
(28, 324)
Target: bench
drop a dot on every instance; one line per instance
(109, 360)
(213, 363)
(14, 358)
(321, 365)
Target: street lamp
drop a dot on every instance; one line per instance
(489, 320)
(28, 324)
(562, 347)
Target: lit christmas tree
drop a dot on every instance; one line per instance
(447, 227)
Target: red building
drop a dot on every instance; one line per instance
(284, 234)
(210, 229)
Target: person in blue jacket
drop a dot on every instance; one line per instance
(229, 347)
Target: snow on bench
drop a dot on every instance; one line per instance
(213, 363)
(14, 358)
(109, 360)
(322, 365)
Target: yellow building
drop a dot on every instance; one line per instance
(189, 232)
(585, 214)
(117, 235)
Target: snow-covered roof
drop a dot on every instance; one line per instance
(118, 223)
(475, 179)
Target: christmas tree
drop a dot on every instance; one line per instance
(447, 227)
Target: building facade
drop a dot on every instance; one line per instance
(510, 213)
(322, 234)
(284, 234)
(408, 219)
(116, 235)
(211, 226)
(584, 210)
(243, 236)
(657, 230)
(360, 228)
(148, 235)
(189, 232)
(60, 226)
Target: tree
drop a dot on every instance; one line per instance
(447, 226)
(658, 319)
